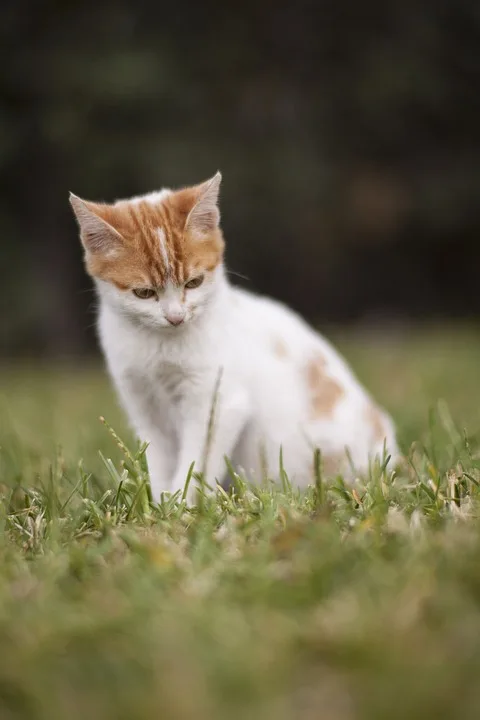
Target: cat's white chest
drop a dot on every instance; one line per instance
(165, 377)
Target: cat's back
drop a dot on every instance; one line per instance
(262, 313)
(269, 323)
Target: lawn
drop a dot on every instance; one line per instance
(336, 604)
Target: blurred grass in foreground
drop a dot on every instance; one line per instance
(338, 603)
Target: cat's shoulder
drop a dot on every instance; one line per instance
(263, 306)
(262, 315)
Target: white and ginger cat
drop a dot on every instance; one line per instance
(176, 335)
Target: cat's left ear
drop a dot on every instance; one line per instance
(204, 217)
(96, 234)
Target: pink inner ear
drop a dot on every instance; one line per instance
(100, 242)
(203, 220)
(205, 215)
(99, 237)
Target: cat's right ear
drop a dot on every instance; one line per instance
(205, 215)
(96, 234)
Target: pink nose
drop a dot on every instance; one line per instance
(175, 318)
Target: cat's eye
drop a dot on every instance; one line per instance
(194, 282)
(144, 293)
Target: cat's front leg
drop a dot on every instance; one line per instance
(145, 414)
(161, 464)
(208, 437)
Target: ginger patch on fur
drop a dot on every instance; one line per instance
(280, 348)
(325, 391)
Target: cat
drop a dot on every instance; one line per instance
(206, 370)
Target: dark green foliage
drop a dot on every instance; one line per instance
(349, 131)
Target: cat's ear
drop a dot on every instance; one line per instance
(97, 235)
(204, 217)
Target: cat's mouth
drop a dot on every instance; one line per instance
(174, 327)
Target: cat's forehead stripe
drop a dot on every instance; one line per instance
(163, 248)
(157, 241)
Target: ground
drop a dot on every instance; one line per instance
(338, 603)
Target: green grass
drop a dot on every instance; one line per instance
(336, 603)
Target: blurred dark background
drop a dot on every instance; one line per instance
(347, 134)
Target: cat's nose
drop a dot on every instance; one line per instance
(175, 318)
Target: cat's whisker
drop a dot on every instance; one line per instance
(237, 274)
(86, 290)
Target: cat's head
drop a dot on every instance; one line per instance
(157, 257)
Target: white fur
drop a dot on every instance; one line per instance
(153, 198)
(166, 377)
(163, 249)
